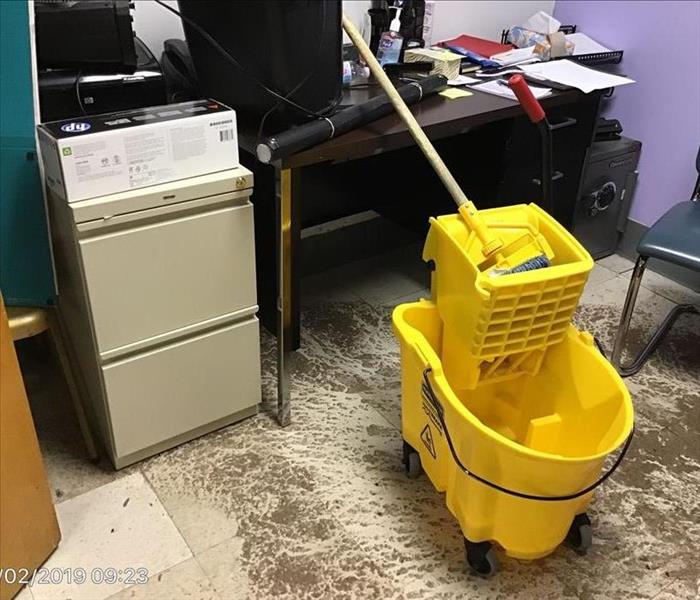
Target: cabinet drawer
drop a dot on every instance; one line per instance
(167, 392)
(158, 277)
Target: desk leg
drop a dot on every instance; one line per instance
(284, 298)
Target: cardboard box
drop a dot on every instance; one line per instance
(28, 528)
(444, 62)
(96, 155)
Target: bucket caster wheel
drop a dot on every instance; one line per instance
(580, 536)
(481, 558)
(411, 462)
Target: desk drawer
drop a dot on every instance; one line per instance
(158, 395)
(150, 279)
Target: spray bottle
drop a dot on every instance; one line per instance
(391, 42)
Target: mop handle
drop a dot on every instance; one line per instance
(490, 242)
(533, 109)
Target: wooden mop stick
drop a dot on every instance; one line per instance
(491, 242)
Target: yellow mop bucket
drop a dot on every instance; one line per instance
(499, 327)
(518, 459)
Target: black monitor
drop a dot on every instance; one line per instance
(293, 47)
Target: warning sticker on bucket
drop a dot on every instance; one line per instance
(427, 436)
(432, 414)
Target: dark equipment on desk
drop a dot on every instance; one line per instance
(402, 69)
(65, 93)
(308, 135)
(95, 35)
(290, 48)
(609, 180)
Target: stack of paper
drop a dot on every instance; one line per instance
(585, 45)
(462, 80)
(575, 75)
(498, 89)
(515, 57)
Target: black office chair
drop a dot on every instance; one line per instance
(674, 238)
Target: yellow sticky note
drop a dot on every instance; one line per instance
(453, 93)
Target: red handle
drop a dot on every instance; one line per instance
(530, 105)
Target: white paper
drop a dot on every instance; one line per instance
(483, 75)
(585, 45)
(541, 22)
(575, 75)
(498, 89)
(462, 80)
(512, 57)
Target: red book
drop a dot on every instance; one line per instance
(485, 48)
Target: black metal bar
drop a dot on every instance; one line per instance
(547, 165)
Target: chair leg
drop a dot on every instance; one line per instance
(616, 358)
(57, 338)
(627, 311)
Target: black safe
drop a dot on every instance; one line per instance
(606, 194)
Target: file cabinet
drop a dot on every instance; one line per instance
(157, 293)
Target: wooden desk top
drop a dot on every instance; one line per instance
(439, 117)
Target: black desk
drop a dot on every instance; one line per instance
(486, 141)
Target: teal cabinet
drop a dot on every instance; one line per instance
(26, 275)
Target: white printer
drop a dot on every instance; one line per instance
(156, 283)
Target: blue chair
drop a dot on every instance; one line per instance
(674, 238)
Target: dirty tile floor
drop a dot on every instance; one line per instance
(322, 508)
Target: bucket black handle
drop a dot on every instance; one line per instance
(430, 396)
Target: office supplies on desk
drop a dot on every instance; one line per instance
(543, 81)
(586, 51)
(462, 80)
(391, 42)
(400, 69)
(468, 67)
(515, 57)
(541, 22)
(473, 57)
(492, 73)
(477, 45)
(453, 93)
(570, 73)
(443, 62)
(585, 45)
(499, 87)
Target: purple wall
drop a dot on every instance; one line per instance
(661, 41)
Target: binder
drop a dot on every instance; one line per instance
(485, 48)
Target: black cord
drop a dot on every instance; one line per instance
(77, 92)
(299, 85)
(430, 396)
(242, 69)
